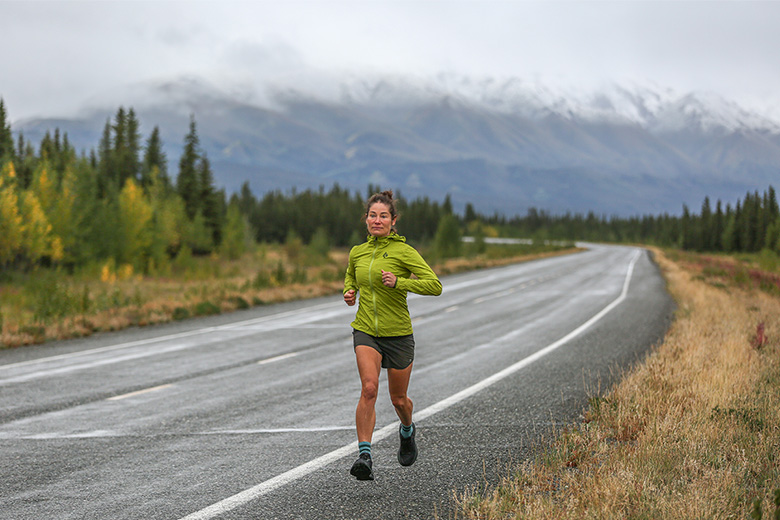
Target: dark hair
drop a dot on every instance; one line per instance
(386, 198)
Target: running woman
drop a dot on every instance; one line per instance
(380, 270)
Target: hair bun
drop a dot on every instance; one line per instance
(388, 194)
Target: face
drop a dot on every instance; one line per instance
(379, 220)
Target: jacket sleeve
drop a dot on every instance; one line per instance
(427, 283)
(350, 282)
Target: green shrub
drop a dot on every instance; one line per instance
(38, 332)
(239, 302)
(293, 246)
(180, 313)
(206, 308)
(319, 245)
(280, 274)
(49, 298)
(262, 280)
(298, 275)
(768, 260)
(447, 242)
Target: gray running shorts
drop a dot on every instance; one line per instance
(397, 351)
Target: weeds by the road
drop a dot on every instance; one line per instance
(694, 432)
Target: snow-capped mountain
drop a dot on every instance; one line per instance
(502, 144)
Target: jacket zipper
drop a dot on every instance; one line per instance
(371, 284)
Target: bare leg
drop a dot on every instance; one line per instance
(398, 383)
(369, 363)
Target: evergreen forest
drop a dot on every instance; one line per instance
(121, 202)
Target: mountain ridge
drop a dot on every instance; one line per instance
(504, 146)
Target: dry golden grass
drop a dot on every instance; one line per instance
(694, 432)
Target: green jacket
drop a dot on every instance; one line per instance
(382, 311)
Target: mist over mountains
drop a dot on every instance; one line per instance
(503, 145)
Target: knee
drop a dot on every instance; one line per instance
(399, 401)
(369, 391)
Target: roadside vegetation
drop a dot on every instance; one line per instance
(693, 432)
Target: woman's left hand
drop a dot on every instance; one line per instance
(389, 279)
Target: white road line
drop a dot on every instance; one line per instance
(294, 474)
(159, 339)
(139, 392)
(280, 430)
(277, 358)
(451, 309)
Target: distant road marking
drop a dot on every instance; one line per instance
(306, 311)
(294, 474)
(451, 309)
(95, 434)
(277, 358)
(139, 392)
(280, 430)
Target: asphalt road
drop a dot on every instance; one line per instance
(250, 415)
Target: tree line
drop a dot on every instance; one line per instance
(751, 225)
(118, 202)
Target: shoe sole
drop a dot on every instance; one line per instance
(409, 463)
(362, 472)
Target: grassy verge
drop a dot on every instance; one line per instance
(49, 304)
(694, 432)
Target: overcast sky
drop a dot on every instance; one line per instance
(59, 54)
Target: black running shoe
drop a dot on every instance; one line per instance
(361, 469)
(407, 453)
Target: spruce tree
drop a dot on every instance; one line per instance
(6, 137)
(107, 183)
(447, 205)
(209, 199)
(769, 214)
(705, 226)
(120, 151)
(718, 225)
(686, 229)
(187, 184)
(46, 150)
(132, 166)
(154, 157)
(749, 224)
(25, 155)
(470, 214)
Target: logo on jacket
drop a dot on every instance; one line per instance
(384, 255)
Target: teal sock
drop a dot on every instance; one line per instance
(364, 447)
(406, 431)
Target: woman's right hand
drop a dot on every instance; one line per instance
(350, 297)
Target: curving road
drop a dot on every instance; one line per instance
(250, 415)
